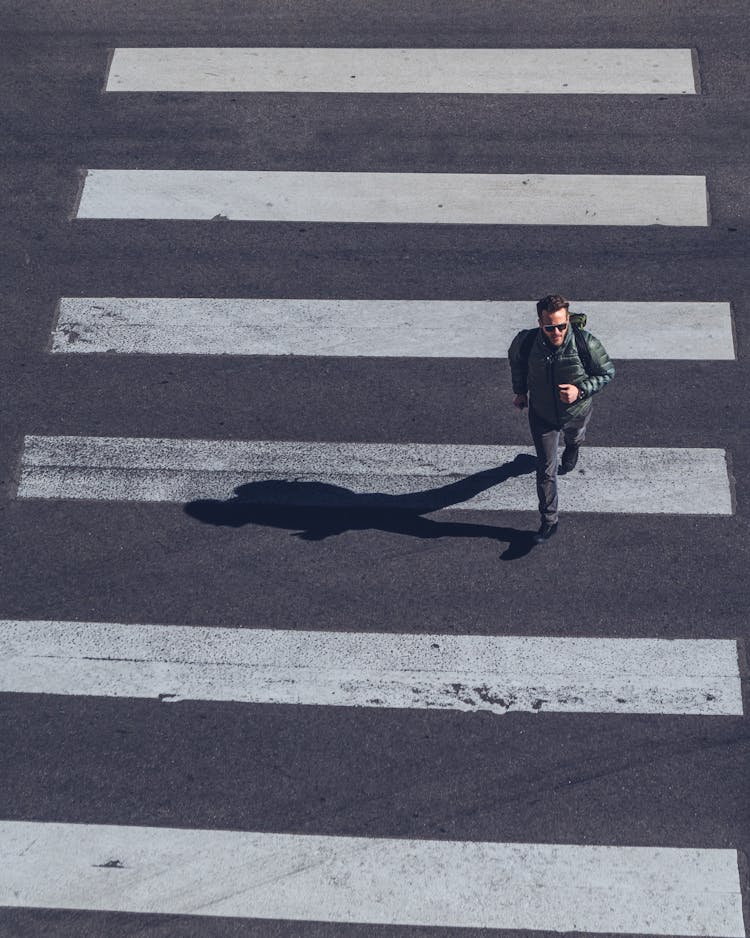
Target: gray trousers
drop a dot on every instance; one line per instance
(547, 442)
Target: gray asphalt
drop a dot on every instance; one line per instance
(551, 778)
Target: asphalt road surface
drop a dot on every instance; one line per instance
(426, 773)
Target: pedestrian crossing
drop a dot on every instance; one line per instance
(417, 477)
(351, 669)
(411, 882)
(551, 887)
(398, 328)
(400, 71)
(395, 198)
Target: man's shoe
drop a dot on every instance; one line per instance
(544, 533)
(569, 458)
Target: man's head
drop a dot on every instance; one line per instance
(552, 311)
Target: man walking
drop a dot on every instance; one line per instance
(556, 369)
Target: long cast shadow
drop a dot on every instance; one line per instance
(317, 510)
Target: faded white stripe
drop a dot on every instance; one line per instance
(423, 477)
(427, 198)
(547, 887)
(399, 328)
(447, 71)
(352, 669)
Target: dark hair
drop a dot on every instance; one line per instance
(551, 303)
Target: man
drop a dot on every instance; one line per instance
(556, 373)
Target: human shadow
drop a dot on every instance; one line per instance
(317, 510)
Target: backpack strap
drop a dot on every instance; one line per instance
(578, 322)
(582, 347)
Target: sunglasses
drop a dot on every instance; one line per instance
(561, 327)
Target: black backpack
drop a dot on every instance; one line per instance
(578, 322)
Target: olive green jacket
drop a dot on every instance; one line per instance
(548, 367)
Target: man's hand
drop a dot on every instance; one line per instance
(569, 393)
(520, 401)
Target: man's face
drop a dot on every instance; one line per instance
(555, 337)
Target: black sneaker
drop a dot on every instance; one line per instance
(569, 458)
(545, 532)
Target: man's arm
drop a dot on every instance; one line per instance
(519, 369)
(601, 370)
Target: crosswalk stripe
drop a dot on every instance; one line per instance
(447, 71)
(427, 198)
(351, 669)
(420, 477)
(555, 887)
(402, 328)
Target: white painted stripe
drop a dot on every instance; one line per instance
(459, 884)
(427, 198)
(424, 477)
(449, 71)
(351, 669)
(401, 328)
